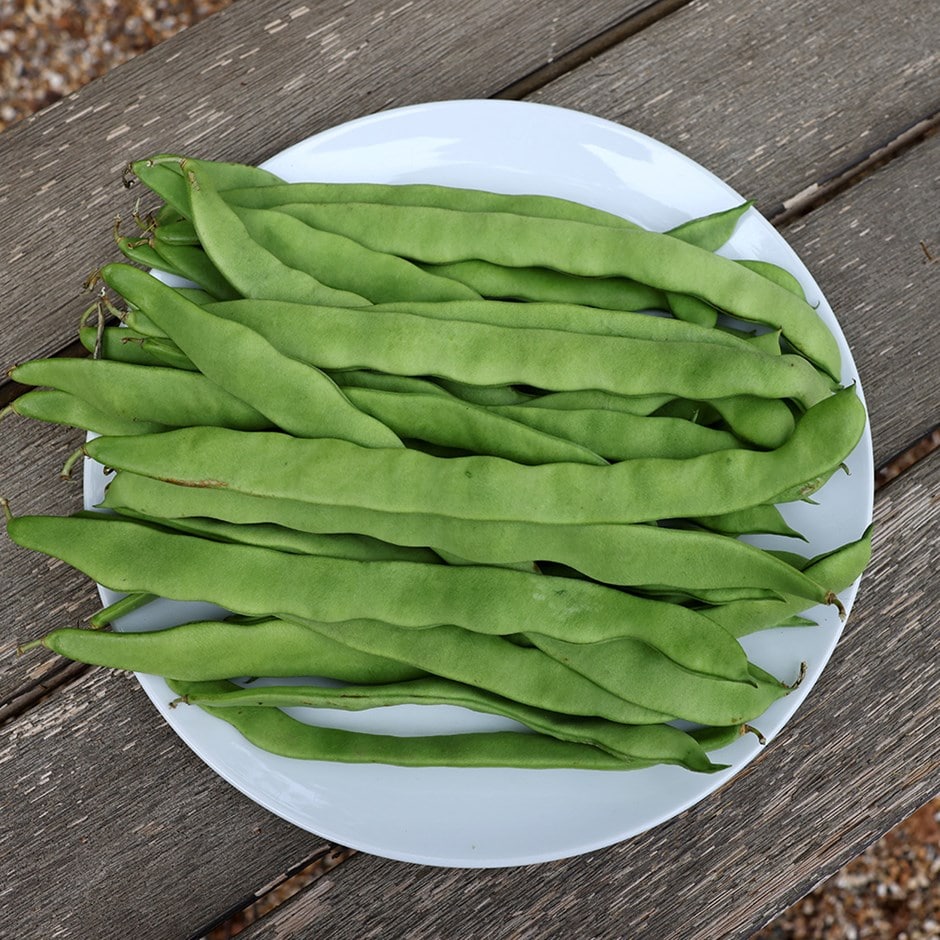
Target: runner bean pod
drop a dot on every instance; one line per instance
(130, 557)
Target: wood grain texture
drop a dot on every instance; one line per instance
(867, 257)
(771, 97)
(242, 85)
(110, 827)
(857, 757)
(38, 593)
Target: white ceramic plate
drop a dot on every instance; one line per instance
(483, 817)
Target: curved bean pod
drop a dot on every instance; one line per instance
(648, 681)
(693, 698)
(157, 394)
(621, 436)
(544, 285)
(195, 265)
(838, 569)
(661, 744)
(162, 174)
(283, 539)
(130, 557)
(444, 235)
(224, 649)
(273, 730)
(422, 194)
(244, 262)
(399, 480)
(293, 395)
(344, 264)
(484, 354)
(58, 407)
(443, 419)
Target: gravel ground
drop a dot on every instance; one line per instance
(49, 48)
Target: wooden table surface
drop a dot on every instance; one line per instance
(825, 114)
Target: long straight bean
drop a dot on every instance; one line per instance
(400, 480)
(629, 555)
(485, 354)
(658, 743)
(273, 730)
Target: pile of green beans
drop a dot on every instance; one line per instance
(446, 446)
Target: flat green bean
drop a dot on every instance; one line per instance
(399, 480)
(131, 392)
(226, 649)
(628, 555)
(488, 355)
(57, 407)
(441, 235)
(661, 744)
(273, 730)
(244, 262)
(130, 557)
(293, 395)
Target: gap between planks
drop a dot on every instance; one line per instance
(610, 37)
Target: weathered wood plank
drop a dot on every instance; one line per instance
(867, 256)
(856, 759)
(38, 593)
(772, 98)
(111, 827)
(243, 85)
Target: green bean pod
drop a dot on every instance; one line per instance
(344, 264)
(839, 569)
(626, 555)
(225, 649)
(118, 343)
(444, 419)
(57, 407)
(693, 698)
(162, 173)
(194, 264)
(444, 235)
(273, 730)
(293, 395)
(420, 195)
(488, 355)
(244, 262)
(283, 539)
(400, 480)
(130, 557)
(650, 681)
(153, 394)
(543, 285)
(621, 436)
(660, 744)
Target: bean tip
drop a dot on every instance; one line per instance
(799, 678)
(66, 472)
(750, 729)
(832, 598)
